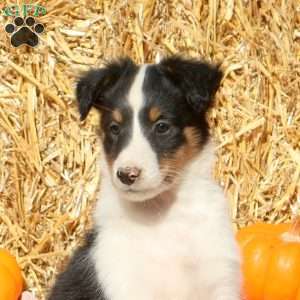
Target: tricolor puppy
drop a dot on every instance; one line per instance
(162, 230)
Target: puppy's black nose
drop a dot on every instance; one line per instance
(128, 175)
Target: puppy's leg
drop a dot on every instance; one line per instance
(78, 281)
(223, 279)
(221, 261)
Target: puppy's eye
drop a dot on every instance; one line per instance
(115, 128)
(162, 127)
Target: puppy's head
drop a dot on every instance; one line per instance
(153, 119)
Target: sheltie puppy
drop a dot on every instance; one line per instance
(161, 225)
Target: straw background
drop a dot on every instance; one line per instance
(48, 171)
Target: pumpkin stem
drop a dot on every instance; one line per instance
(293, 235)
(295, 228)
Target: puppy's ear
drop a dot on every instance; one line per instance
(93, 85)
(198, 80)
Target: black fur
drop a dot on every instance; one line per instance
(198, 80)
(97, 86)
(106, 89)
(114, 144)
(183, 90)
(78, 281)
(164, 95)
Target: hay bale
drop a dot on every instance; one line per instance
(48, 174)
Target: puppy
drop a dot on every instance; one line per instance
(162, 230)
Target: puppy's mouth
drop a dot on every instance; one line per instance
(137, 191)
(169, 179)
(140, 194)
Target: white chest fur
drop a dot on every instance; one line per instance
(182, 249)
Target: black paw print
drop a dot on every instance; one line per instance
(24, 32)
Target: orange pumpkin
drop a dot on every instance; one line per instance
(271, 261)
(11, 282)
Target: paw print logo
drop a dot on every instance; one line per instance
(24, 31)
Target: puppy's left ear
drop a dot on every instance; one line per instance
(198, 80)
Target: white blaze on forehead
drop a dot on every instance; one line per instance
(135, 96)
(138, 148)
(138, 153)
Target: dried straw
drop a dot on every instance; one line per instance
(48, 174)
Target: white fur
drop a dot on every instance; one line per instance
(138, 153)
(179, 246)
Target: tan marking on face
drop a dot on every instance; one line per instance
(154, 113)
(185, 153)
(193, 138)
(117, 116)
